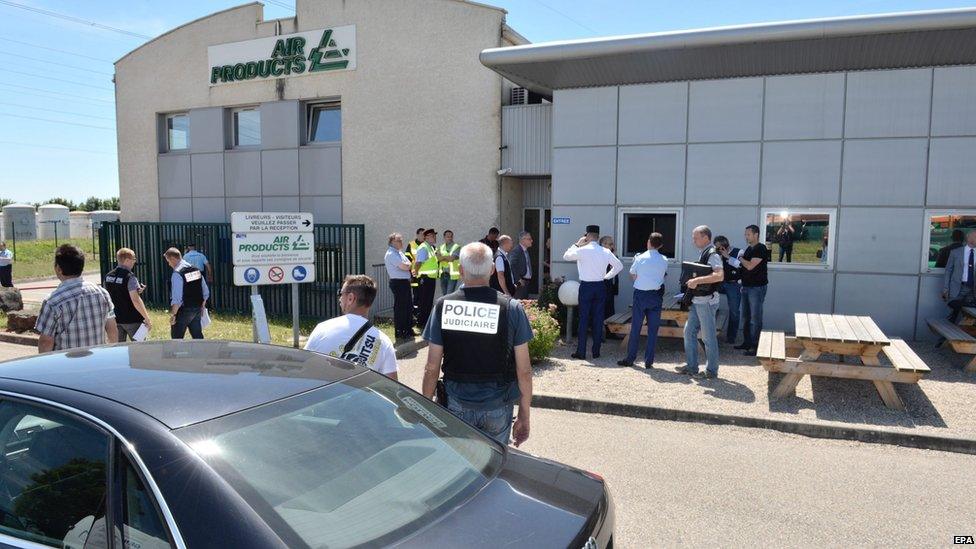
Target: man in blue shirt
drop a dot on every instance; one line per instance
(481, 336)
(398, 269)
(198, 260)
(189, 296)
(647, 272)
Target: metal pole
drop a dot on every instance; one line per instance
(294, 313)
(13, 237)
(55, 234)
(569, 324)
(254, 325)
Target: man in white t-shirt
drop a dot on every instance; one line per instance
(372, 349)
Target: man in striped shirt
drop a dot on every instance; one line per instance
(77, 313)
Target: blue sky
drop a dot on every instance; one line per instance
(57, 114)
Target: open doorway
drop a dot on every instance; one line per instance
(538, 221)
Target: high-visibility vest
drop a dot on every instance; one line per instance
(429, 267)
(452, 267)
(411, 253)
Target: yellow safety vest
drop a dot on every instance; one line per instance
(429, 267)
(411, 253)
(453, 267)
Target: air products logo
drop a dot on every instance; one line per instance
(318, 51)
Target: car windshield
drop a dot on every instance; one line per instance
(363, 461)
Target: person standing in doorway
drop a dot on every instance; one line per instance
(189, 296)
(521, 265)
(730, 288)
(647, 272)
(398, 268)
(704, 307)
(591, 265)
(77, 313)
(491, 239)
(125, 291)
(753, 269)
(503, 280)
(447, 256)
(426, 271)
(6, 266)
(959, 287)
(479, 338)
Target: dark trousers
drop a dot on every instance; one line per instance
(402, 306)
(966, 298)
(522, 289)
(733, 294)
(592, 300)
(187, 317)
(786, 250)
(7, 276)
(647, 305)
(425, 301)
(753, 298)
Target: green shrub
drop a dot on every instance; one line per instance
(545, 330)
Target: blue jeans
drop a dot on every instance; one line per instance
(734, 297)
(752, 314)
(592, 301)
(496, 423)
(448, 286)
(701, 316)
(647, 304)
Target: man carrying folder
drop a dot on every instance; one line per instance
(704, 306)
(124, 289)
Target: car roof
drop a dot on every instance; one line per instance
(182, 382)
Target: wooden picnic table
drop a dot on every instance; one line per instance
(673, 321)
(960, 336)
(844, 336)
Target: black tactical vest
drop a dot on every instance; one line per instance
(474, 328)
(509, 276)
(705, 289)
(117, 285)
(192, 286)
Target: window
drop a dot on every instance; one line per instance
(142, 525)
(247, 127)
(54, 477)
(324, 123)
(177, 132)
(799, 237)
(944, 232)
(637, 226)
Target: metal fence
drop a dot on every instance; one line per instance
(383, 304)
(339, 251)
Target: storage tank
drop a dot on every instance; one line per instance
(101, 216)
(20, 222)
(51, 218)
(79, 225)
(3, 230)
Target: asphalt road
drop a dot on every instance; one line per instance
(678, 484)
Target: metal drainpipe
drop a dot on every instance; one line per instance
(501, 130)
(279, 82)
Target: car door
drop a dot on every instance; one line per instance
(136, 510)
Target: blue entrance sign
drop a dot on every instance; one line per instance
(560, 221)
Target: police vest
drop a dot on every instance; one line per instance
(731, 273)
(705, 289)
(451, 267)
(509, 277)
(474, 329)
(429, 267)
(117, 285)
(411, 251)
(192, 286)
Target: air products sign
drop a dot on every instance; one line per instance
(299, 54)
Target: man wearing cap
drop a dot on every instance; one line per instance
(591, 264)
(427, 270)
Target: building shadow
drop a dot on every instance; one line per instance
(726, 390)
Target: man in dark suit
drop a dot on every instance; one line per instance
(521, 265)
(959, 288)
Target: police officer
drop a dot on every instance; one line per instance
(503, 280)
(426, 270)
(647, 272)
(591, 263)
(730, 287)
(448, 254)
(480, 338)
(189, 297)
(124, 289)
(411, 253)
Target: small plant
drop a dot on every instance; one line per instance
(545, 329)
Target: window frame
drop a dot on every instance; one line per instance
(335, 104)
(233, 127)
(117, 481)
(622, 214)
(927, 235)
(166, 140)
(831, 240)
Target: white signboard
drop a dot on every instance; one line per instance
(272, 249)
(467, 316)
(264, 222)
(317, 51)
(262, 275)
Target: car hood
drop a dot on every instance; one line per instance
(533, 502)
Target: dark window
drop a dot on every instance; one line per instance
(53, 479)
(142, 525)
(639, 226)
(324, 123)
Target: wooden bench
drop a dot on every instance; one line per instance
(957, 338)
(772, 347)
(904, 359)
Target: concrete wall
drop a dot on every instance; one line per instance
(421, 123)
(877, 147)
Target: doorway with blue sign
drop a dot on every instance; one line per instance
(538, 221)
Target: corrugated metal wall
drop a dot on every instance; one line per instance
(536, 193)
(526, 132)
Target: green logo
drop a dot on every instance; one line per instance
(300, 244)
(288, 57)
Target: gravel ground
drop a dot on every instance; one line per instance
(941, 404)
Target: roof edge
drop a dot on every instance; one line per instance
(188, 23)
(730, 35)
(514, 36)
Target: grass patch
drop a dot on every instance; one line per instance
(36, 258)
(804, 252)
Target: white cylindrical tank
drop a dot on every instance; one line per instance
(3, 230)
(20, 222)
(79, 225)
(51, 218)
(101, 216)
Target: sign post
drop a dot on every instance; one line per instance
(273, 248)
